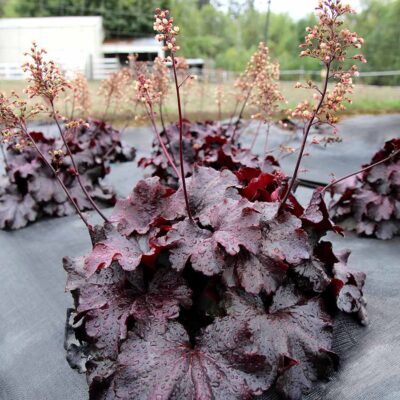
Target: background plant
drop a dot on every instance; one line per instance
(369, 202)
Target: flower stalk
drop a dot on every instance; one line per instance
(181, 161)
(166, 33)
(75, 167)
(329, 43)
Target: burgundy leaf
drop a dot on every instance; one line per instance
(158, 362)
(283, 238)
(348, 288)
(232, 224)
(311, 275)
(142, 207)
(190, 242)
(166, 292)
(370, 206)
(110, 296)
(206, 188)
(295, 337)
(255, 273)
(316, 215)
(116, 247)
(17, 211)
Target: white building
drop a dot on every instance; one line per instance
(76, 43)
(71, 41)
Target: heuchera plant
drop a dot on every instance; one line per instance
(207, 144)
(369, 202)
(28, 191)
(220, 289)
(77, 159)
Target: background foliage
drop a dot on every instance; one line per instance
(229, 35)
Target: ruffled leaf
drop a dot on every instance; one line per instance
(158, 362)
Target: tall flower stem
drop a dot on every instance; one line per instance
(60, 181)
(306, 131)
(160, 109)
(266, 144)
(150, 113)
(240, 115)
(256, 135)
(76, 171)
(178, 98)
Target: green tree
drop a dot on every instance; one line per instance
(379, 25)
(122, 18)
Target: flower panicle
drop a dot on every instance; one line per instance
(330, 43)
(160, 79)
(80, 96)
(14, 114)
(166, 30)
(45, 78)
(263, 77)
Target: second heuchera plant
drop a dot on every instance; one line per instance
(222, 288)
(369, 202)
(38, 166)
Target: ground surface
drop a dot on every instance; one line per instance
(33, 302)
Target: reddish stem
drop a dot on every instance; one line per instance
(306, 131)
(360, 171)
(256, 135)
(57, 176)
(165, 132)
(178, 98)
(241, 114)
(162, 144)
(76, 171)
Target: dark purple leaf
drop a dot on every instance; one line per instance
(158, 362)
(167, 291)
(283, 238)
(311, 275)
(142, 207)
(17, 211)
(370, 206)
(295, 337)
(348, 288)
(116, 247)
(206, 188)
(255, 273)
(316, 215)
(232, 224)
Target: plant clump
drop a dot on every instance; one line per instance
(206, 144)
(29, 191)
(369, 203)
(241, 297)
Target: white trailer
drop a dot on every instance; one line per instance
(73, 42)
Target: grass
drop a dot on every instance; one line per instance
(199, 102)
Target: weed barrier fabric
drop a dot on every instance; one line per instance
(33, 308)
